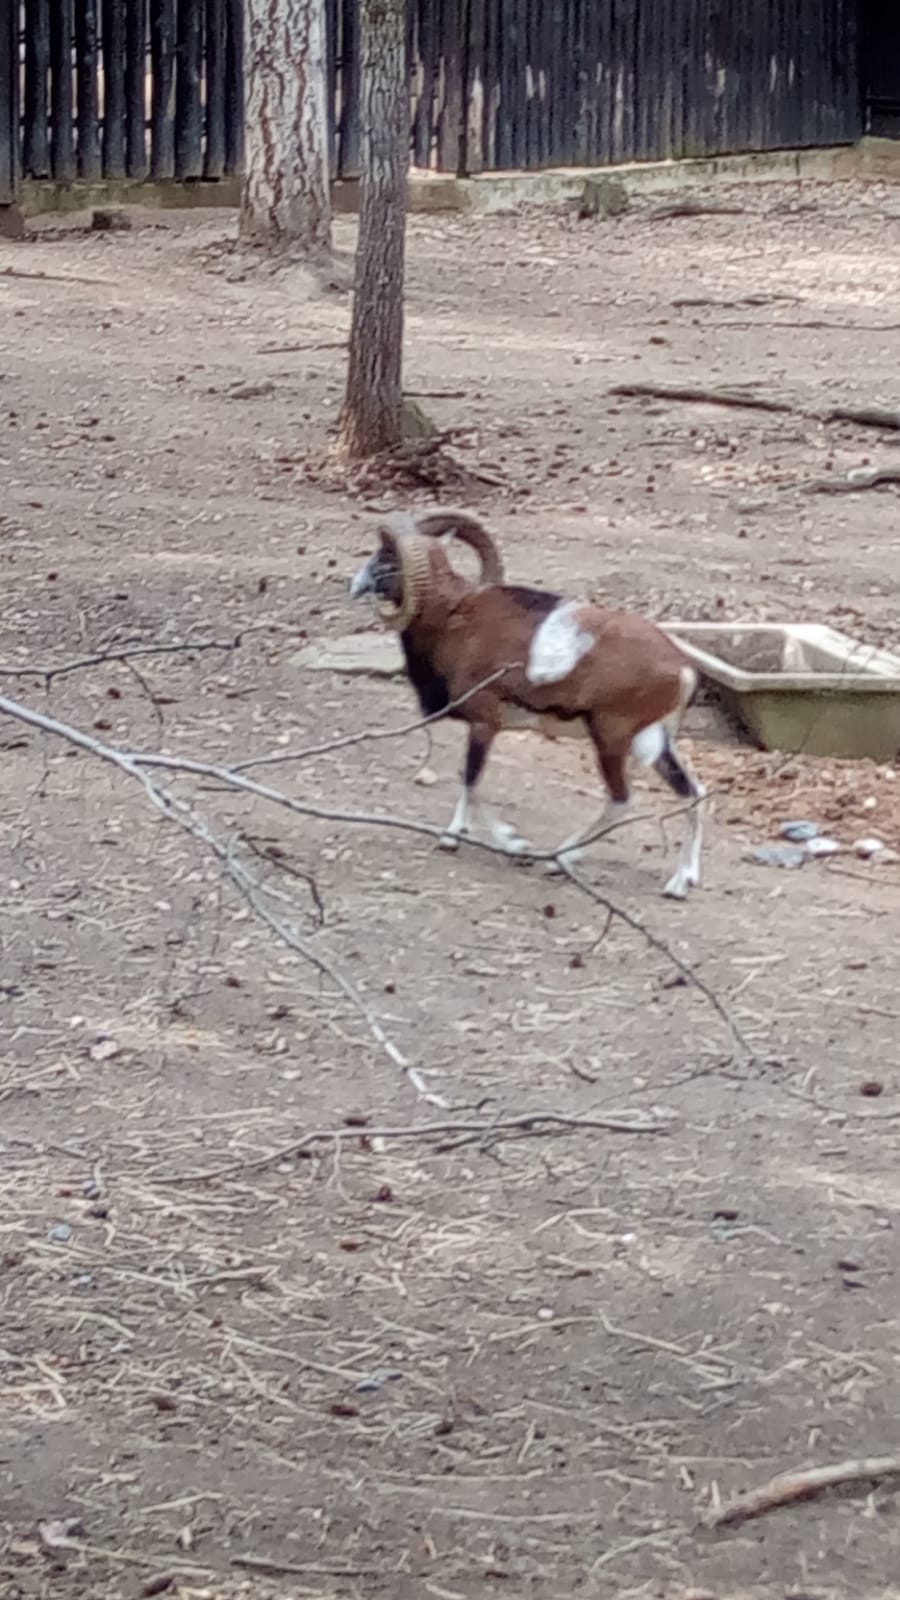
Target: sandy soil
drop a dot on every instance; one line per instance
(445, 1365)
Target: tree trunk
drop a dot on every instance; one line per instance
(286, 201)
(371, 417)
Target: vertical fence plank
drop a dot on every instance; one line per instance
(188, 108)
(604, 79)
(490, 85)
(136, 88)
(625, 26)
(536, 125)
(583, 102)
(666, 45)
(9, 100)
(214, 155)
(234, 86)
(162, 94)
(472, 154)
(518, 84)
(62, 143)
(113, 88)
(87, 38)
(332, 46)
(348, 127)
(502, 83)
(562, 88)
(428, 29)
(36, 152)
(848, 66)
(450, 122)
(763, 54)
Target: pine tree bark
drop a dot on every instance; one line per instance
(286, 200)
(370, 420)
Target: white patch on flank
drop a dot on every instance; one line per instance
(557, 645)
(648, 745)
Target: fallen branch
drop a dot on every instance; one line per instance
(789, 1487)
(176, 811)
(857, 478)
(133, 763)
(863, 416)
(866, 416)
(700, 396)
(694, 208)
(126, 653)
(292, 1569)
(366, 735)
(54, 277)
(291, 349)
(692, 302)
(486, 1133)
(656, 943)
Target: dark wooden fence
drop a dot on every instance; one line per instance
(881, 66)
(111, 89)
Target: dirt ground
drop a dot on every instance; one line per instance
(452, 1364)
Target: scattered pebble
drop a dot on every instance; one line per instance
(104, 1048)
(867, 847)
(871, 1088)
(822, 846)
(778, 855)
(799, 832)
(377, 1379)
(60, 1233)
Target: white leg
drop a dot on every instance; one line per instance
(459, 823)
(570, 850)
(687, 874)
(508, 838)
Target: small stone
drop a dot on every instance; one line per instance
(414, 423)
(823, 847)
(778, 855)
(871, 1088)
(545, 1314)
(104, 1048)
(799, 832)
(110, 220)
(866, 848)
(602, 197)
(60, 1233)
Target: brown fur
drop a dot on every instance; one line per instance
(629, 679)
(467, 648)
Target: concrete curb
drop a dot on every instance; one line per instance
(497, 192)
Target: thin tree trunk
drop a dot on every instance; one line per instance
(371, 417)
(285, 202)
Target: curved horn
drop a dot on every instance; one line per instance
(470, 530)
(398, 534)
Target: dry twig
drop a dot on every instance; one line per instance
(126, 653)
(178, 812)
(485, 1133)
(857, 478)
(133, 763)
(791, 1486)
(696, 394)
